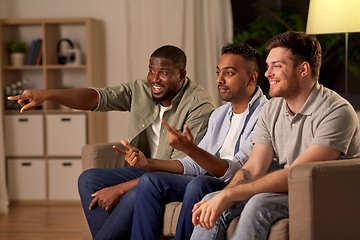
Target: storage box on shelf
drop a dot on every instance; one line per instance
(44, 144)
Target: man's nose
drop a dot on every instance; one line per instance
(155, 77)
(268, 72)
(220, 79)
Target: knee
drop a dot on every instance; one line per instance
(196, 184)
(197, 188)
(210, 195)
(149, 181)
(259, 203)
(85, 177)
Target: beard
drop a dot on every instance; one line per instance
(227, 97)
(159, 100)
(290, 90)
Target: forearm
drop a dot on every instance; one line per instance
(171, 166)
(126, 186)
(80, 98)
(274, 182)
(217, 167)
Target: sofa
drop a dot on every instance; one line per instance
(324, 198)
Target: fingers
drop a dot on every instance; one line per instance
(189, 133)
(93, 203)
(195, 218)
(26, 106)
(197, 205)
(120, 151)
(14, 98)
(170, 129)
(196, 212)
(128, 146)
(166, 125)
(204, 220)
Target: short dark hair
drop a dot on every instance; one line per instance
(175, 54)
(247, 52)
(304, 47)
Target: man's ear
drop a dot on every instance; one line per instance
(252, 78)
(304, 69)
(182, 75)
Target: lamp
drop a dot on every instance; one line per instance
(334, 16)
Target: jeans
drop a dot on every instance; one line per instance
(156, 189)
(257, 215)
(117, 223)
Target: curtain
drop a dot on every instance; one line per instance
(4, 202)
(199, 27)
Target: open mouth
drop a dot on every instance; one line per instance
(273, 82)
(157, 89)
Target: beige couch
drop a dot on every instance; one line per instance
(324, 198)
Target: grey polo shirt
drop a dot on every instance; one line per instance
(326, 119)
(191, 106)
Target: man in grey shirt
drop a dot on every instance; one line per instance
(303, 122)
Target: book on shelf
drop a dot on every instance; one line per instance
(36, 52)
(31, 52)
(39, 56)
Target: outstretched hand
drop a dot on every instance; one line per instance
(29, 99)
(177, 139)
(133, 155)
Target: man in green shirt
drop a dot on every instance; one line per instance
(167, 94)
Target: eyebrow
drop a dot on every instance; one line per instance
(217, 67)
(273, 62)
(161, 68)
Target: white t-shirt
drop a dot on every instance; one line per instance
(227, 149)
(153, 132)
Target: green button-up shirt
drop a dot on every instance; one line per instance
(192, 106)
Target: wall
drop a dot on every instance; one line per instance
(116, 42)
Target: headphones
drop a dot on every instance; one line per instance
(65, 56)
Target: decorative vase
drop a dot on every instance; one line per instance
(17, 59)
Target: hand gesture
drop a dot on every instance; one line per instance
(177, 139)
(133, 156)
(29, 99)
(106, 198)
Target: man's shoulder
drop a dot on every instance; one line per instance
(196, 92)
(274, 102)
(223, 109)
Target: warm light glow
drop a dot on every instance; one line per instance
(333, 16)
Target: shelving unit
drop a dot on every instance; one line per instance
(54, 133)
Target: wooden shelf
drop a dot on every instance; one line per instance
(86, 35)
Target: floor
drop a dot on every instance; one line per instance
(42, 222)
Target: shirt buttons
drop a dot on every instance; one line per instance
(219, 144)
(143, 125)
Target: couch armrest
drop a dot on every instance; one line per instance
(101, 155)
(324, 200)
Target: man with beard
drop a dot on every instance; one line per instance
(167, 94)
(209, 166)
(303, 122)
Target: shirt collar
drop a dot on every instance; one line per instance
(309, 106)
(258, 93)
(175, 101)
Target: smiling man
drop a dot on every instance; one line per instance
(108, 195)
(303, 122)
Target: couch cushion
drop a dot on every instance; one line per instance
(171, 214)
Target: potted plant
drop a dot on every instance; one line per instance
(17, 50)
